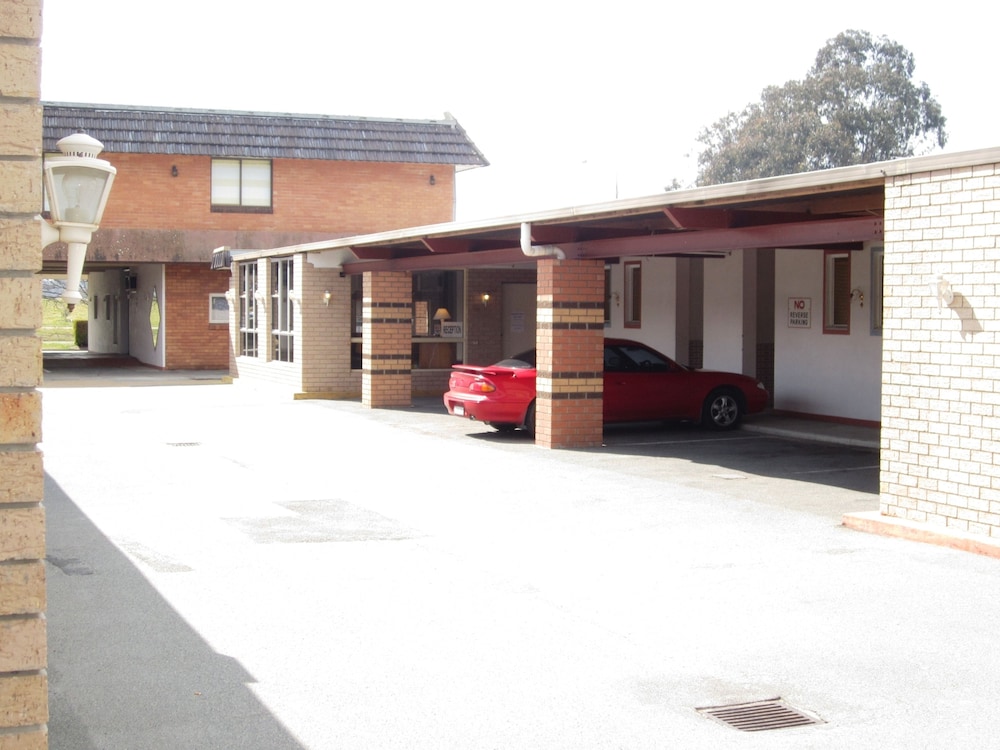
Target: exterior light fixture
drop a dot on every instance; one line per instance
(326, 297)
(486, 299)
(77, 184)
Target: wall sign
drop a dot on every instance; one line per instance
(451, 329)
(799, 312)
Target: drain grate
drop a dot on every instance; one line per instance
(183, 445)
(760, 716)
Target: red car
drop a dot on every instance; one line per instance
(640, 384)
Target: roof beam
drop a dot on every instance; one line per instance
(802, 234)
(698, 218)
(827, 233)
(443, 245)
(506, 257)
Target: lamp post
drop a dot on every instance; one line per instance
(77, 184)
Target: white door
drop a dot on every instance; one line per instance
(520, 302)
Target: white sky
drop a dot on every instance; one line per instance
(570, 104)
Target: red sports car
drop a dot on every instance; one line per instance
(640, 384)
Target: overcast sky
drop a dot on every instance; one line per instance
(570, 104)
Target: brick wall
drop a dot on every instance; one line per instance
(941, 364)
(192, 342)
(484, 327)
(23, 644)
(335, 198)
(326, 335)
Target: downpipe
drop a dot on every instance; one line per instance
(538, 251)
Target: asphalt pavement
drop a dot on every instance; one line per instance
(229, 568)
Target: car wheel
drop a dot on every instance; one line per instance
(722, 410)
(529, 419)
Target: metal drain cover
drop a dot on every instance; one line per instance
(760, 716)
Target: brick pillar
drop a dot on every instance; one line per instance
(387, 339)
(23, 650)
(570, 343)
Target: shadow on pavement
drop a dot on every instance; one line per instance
(738, 451)
(125, 670)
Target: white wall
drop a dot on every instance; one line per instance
(826, 374)
(659, 285)
(150, 276)
(107, 324)
(723, 311)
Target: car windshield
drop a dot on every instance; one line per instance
(627, 357)
(522, 361)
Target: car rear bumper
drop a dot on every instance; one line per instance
(483, 410)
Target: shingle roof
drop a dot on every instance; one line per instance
(265, 135)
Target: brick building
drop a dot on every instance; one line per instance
(909, 341)
(192, 180)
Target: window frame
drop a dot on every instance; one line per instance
(247, 290)
(836, 292)
(283, 309)
(242, 204)
(633, 294)
(877, 293)
(607, 296)
(218, 309)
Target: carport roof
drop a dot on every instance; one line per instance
(831, 209)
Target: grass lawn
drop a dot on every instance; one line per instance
(57, 328)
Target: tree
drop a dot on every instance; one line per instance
(857, 104)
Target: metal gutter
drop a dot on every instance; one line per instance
(818, 182)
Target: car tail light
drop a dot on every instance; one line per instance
(482, 386)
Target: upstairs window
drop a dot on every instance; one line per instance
(837, 292)
(241, 185)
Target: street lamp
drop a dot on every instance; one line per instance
(77, 184)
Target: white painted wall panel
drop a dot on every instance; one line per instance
(827, 374)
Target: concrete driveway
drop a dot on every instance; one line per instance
(231, 570)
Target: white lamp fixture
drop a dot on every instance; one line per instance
(77, 184)
(440, 316)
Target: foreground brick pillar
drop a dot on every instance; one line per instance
(23, 653)
(570, 343)
(387, 339)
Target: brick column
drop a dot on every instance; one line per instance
(570, 343)
(23, 651)
(387, 339)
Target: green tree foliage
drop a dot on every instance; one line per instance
(858, 104)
